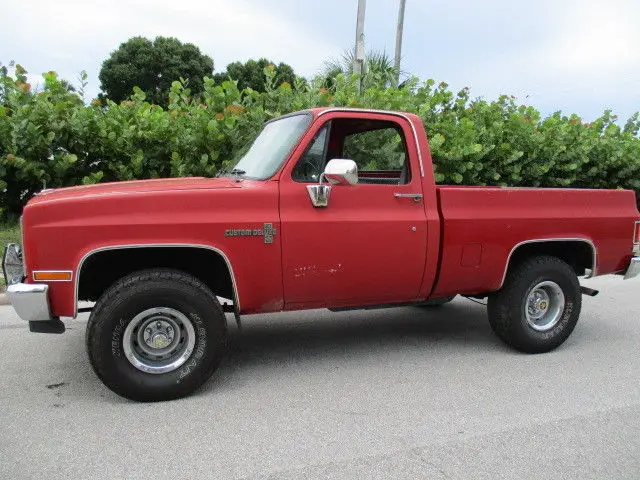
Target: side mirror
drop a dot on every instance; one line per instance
(337, 172)
(341, 172)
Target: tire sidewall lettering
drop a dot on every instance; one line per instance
(116, 338)
(199, 350)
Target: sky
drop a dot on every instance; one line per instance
(578, 56)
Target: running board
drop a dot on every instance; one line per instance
(378, 306)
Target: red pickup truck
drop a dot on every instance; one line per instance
(329, 208)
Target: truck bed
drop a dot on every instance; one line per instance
(482, 225)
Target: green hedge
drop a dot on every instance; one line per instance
(51, 138)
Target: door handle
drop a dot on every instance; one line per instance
(416, 196)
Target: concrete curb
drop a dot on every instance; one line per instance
(4, 300)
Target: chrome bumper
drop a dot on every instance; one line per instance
(31, 302)
(634, 268)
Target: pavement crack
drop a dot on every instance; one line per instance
(56, 385)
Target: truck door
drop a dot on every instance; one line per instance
(368, 246)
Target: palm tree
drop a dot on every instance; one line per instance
(379, 70)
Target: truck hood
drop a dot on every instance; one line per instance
(137, 186)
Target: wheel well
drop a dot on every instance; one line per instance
(100, 270)
(579, 254)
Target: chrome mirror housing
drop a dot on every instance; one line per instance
(340, 171)
(337, 172)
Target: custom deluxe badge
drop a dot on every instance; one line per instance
(268, 232)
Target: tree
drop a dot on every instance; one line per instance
(251, 74)
(67, 85)
(379, 70)
(152, 66)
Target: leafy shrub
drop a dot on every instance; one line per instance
(251, 74)
(51, 138)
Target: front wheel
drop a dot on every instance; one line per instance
(538, 306)
(156, 335)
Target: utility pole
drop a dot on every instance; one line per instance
(358, 57)
(399, 40)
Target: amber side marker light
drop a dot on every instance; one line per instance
(636, 239)
(52, 276)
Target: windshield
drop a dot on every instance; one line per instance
(272, 147)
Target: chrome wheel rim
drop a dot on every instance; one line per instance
(159, 340)
(544, 306)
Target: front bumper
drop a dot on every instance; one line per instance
(31, 302)
(634, 269)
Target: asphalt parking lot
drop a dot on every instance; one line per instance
(397, 393)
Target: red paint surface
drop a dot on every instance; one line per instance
(362, 249)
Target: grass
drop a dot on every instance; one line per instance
(9, 233)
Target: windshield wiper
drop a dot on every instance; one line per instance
(234, 171)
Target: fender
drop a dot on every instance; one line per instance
(236, 299)
(594, 251)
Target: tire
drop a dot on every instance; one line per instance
(538, 306)
(156, 335)
(436, 302)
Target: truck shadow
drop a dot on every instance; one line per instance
(275, 346)
(320, 338)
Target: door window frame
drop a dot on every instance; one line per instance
(403, 122)
(325, 148)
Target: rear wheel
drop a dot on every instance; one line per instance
(538, 306)
(156, 335)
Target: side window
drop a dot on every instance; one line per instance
(380, 153)
(378, 148)
(311, 164)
